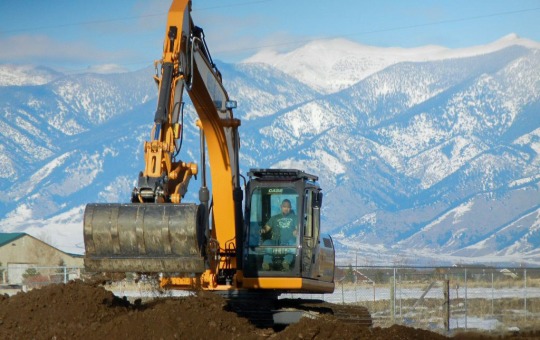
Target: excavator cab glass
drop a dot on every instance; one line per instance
(274, 228)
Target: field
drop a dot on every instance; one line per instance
(445, 300)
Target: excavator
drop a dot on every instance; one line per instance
(215, 244)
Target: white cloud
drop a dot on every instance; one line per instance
(107, 68)
(39, 47)
(242, 36)
(44, 50)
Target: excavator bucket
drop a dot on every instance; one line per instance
(144, 238)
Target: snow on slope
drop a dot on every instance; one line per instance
(331, 65)
(520, 236)
(19, 75)
(63, 231)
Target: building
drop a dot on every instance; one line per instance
(22, 255)
(343, 275)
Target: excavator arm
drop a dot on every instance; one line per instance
(186, 64)
(158, 233)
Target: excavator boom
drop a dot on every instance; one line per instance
(158, 233)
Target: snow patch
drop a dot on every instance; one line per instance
(330, 65)
(64, 231)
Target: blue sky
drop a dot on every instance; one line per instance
(127, 34)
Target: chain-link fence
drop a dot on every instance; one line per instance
(443, 299)
(28, 276)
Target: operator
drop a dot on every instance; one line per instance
(280, 230)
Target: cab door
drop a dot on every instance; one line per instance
(310, 236)
(318, 254)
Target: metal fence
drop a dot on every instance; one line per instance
(25, 277)
(443, 299)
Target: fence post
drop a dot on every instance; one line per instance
(356, 271)
(466, 299)
(342, 293)
(525, 291)
(355, 290)
(393, 296)
(65, 274)
(446, 294)
(400, 298)
(492, 294)
(373, 282)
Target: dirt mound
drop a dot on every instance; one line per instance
(81, 311)
(330, 328)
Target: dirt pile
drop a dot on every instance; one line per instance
(81, 311)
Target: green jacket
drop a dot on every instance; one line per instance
(283, 227)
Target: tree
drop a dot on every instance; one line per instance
(30, 272)
(61, 274)
(34, 278)
(349, 275)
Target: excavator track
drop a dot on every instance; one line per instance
(266, 311)
(346, 313)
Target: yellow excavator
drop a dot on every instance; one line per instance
(219, 244)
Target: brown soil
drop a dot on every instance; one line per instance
(82, 311)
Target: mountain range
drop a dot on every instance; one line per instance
(425, 155)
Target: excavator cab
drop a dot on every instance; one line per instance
(276, 249)
(294, 247)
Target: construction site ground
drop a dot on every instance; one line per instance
(79, 310)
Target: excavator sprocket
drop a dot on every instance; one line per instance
(144, 238)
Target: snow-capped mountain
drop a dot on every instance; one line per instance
(19, 75)
(422, 153)
(336, 64)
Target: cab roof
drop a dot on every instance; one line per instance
(281, 174)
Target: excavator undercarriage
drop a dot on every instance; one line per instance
(271, 311)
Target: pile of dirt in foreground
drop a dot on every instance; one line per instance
(81, 311)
